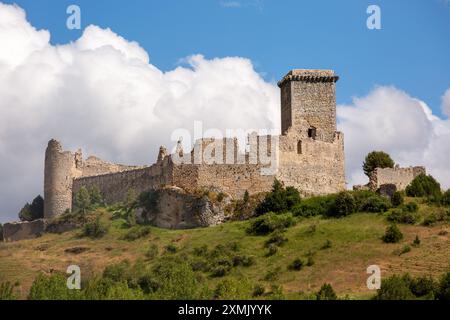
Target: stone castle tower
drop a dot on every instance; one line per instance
(309, 156)
(308, 102)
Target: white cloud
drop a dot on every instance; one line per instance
(389, 119)
(101, 93)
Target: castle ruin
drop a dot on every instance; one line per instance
(309, 156)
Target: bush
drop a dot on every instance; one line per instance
(314, 206)
(397, 199)
(392, 234)
(375, 204)
(430, 220)
(273, 274)
(277, 238)
(326, 292)
(171, 248)
(258, 290)
(273, 249)
(219, 271)
(400, 216)
(377, 159)
(395, 288)
(423, 286)
(424, 186)
(53, 287)
(233, 289)
(243, 260)
(137, 232)
(269, 223)
(443, 291)
(411, 207)
(174, 279)
(327, 244)
(344, 204)
(279, 200)
(297, 264)
(7, 291)
(95, 229)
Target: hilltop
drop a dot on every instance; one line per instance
(332, 250)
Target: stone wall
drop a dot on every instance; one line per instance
(400, 177)
(16, 231)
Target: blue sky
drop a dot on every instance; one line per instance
(411, 51)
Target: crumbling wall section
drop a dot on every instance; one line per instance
(400, 177)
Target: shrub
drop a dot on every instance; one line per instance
(152, 252)
(446, 198)
(53, 287)
(424, 186)
(258, 290)
(7, 291)
(137, 232)
(423, 286)
(443, 291)
(273, 274)
(400, 216)
(95, 229)
(375, 204)
(344, 204)
(327, 244)
(82, 200)
(118, 272)
(326, 292)
(310, 261)
(106, 289)
(277, 238)
(297, 264)
(314, 206)
(201, 251)
(273, 249)
(377, 159)
(411, 207)
(33, 211)
(246, 197)
(397, 199)
(174, 279)
(171, 248)
(279, 200)
(270, 222)
(233, 289)
(392, 234)
(395, 288)
(243, 260)
(430, 219)
(405, 249)
(219, 271)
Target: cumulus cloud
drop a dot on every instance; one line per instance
(102, 93)
(389, 119)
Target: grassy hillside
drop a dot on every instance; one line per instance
(339, 249)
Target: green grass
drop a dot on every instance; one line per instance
(355, 244)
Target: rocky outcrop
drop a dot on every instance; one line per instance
(16, 231)
(176, 209)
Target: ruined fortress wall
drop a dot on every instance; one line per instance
(94, 166)
(314, 167)
(114, 187)
(235, 179)
(400, 177)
